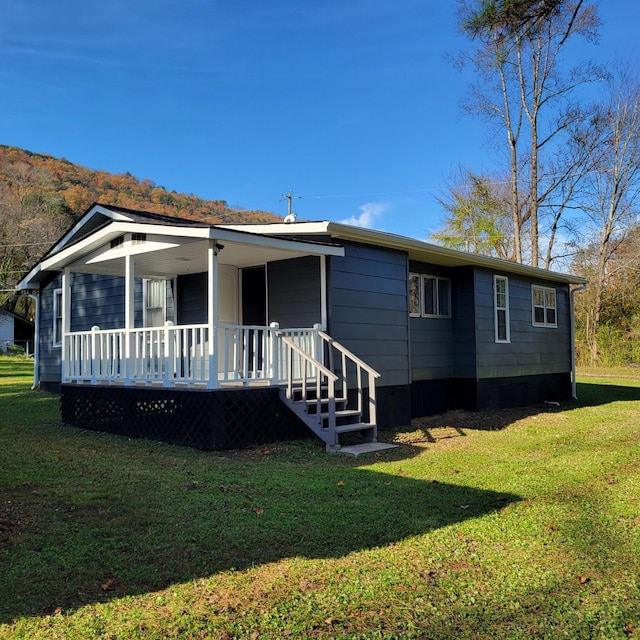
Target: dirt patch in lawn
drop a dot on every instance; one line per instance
(454, 424)
(14, 515)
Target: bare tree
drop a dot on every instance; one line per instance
(523, 92)
(610, 193)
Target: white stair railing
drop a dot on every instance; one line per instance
(346, 364)
(303, 373)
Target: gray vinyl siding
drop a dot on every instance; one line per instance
(293, 292)
(432, 355)
(532, 350)
(49, 356)
(96, 300)
(99, 301)
(192, 298)
(368, 312)
(464, 324)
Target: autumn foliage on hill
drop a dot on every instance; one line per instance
(74, 188)
(42, 196)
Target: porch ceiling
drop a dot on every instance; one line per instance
(168, 251)
(157, 258)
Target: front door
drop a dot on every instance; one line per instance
(254, 296)
(254, 311)
(228, 294)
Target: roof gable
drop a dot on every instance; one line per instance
(99, 215)
(100, 240)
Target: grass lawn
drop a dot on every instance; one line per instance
(504, 525)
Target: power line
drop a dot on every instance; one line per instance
(27, 244)
(367, 195)
(523, 180)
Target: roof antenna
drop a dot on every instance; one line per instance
(291, 214)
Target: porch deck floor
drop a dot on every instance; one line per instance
(159, 384)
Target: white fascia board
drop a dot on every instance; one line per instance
(29, 281)
(417, 249)
(281, 228)
(93, 246)
(96, 210)
(205, 232)
(425, 251)
(245, 236)
(97, 241)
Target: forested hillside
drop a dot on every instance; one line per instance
(41, 196)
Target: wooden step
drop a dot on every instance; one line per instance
(344, 414)
(356, 426)
(312, 406)
(311, 394)
(322, 401)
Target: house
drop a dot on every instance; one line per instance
(16, 331)
(219, 336)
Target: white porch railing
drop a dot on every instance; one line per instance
(182, 355)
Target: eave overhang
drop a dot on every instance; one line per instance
(417, 250)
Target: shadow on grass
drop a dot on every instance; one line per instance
(105, 538)
(592, 394)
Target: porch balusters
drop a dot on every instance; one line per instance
(171, 355)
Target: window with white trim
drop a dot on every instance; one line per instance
(57, 317)
(544, 306)
(429, 296)
(501, 308)
(436, 297)
(155, 305)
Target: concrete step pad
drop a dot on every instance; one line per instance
(366, 447)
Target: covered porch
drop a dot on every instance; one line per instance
(194, 308)
(199, 335)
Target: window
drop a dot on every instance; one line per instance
(436, 296)
(57, 317)
(429, 296)
(544, 306)
(155, 296)
(501, 308)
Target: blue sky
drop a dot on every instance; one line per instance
(351, 104)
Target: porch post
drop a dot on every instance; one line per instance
(212, 312)
(129, 318)
(323, 292)
(66, 321)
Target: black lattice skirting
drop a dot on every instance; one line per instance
(204, 419)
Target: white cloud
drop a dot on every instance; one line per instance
(371, 211)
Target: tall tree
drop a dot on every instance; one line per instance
(610, 193)
(523, 92)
